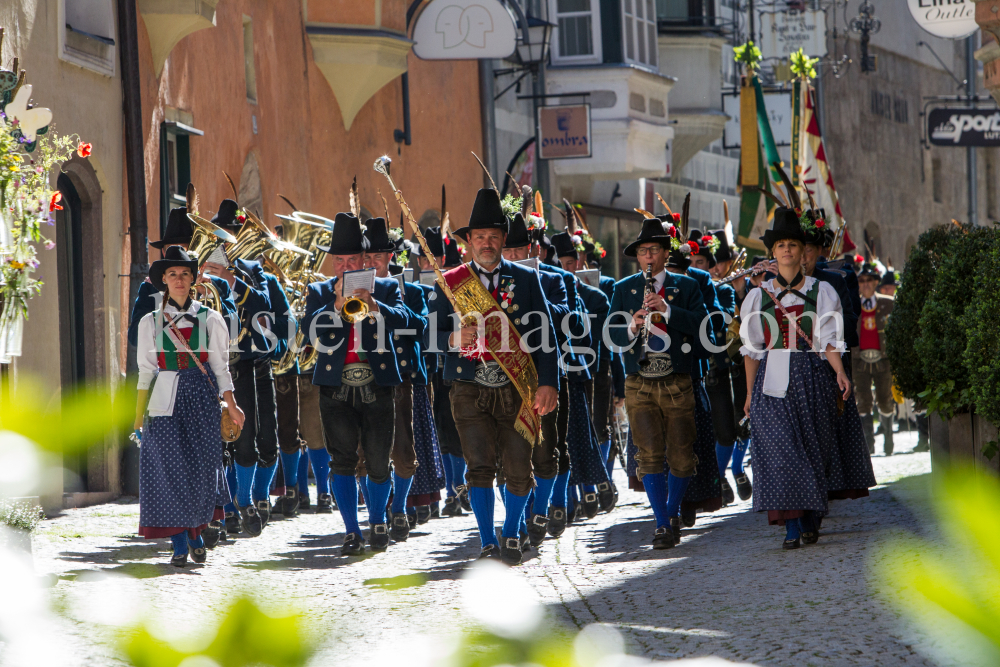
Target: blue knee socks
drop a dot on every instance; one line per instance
(502, 488)
(363, 488)
(723, 454)
(303, 475)
(792, 529)
(515, 513)
(482, 502)
(262, 479)
(196, 544)
(560, 490)
(231, 481)
(345, 490)
(290, 467)
(738, 453)
(320, 460)
(449, 476)
(676, 488)
(458, 470)
(609, 461)
(180, 543)
(589, 488)
(656, 490)
(244, 483)
(401, 489)
(378, 496)
(543, 494)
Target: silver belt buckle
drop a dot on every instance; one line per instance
(659, 365)
(490, 374)
(356, 375)
(871, 356)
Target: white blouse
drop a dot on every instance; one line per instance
(218, 346)
(828, 329)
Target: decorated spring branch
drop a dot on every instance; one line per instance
(29, 151)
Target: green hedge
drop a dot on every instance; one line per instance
(982, 354)
(904, 325)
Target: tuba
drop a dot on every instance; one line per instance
(205, 238)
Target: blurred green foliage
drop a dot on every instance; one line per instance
(982, 355)
(957, 579)
(80, 420)
(246, 636)
(485, 649)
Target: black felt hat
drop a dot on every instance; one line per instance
(179, 229)
(377, 233)
(172, 256)
(486, 214)
(869, 270)
(725, 252)
(704, 247)
(433, 237)
(784, 226)
(652, 231)
(679, 260)
(452, 254)
(890, 278)
(347, 237)
(518, 236)
(563, 243)
(225, 217)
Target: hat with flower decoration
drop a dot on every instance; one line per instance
(707, 246)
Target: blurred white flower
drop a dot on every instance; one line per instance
(107, 599)
(20, 465)
(500, 600)
(596, 642)
(29, 632)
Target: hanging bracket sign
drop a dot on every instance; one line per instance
(963, 127)
(951, 19)
(784, 33)
(464, 30)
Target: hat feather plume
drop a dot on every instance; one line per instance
(664, 203)
(192, 200)
(538, 203)
(353, 196)
(570, 217)
(236, 193)
(646, 214)
(686, 215)
(289, 202)
(488, 175)
(525, 200)
(793, 195)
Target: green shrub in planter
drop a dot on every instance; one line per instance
(904, 325)
(17, 521)
(982, 354)
(942, 338)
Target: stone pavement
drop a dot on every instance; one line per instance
(728, 589)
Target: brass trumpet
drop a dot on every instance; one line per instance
(354, 310)
(205, 238)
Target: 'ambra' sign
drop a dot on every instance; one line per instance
(952, 19)
(964, 127)
(564, 131)
(784, 33)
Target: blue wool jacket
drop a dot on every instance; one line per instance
(409, 348)
(850, 297)
(607, 284)
(333, 332)
(251, 298)
(145, 303)
(430, 359)
(560, 289)
(687, 310)
(598, 307)
(527, 298)
(283, 323)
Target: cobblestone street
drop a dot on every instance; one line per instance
(728, 590)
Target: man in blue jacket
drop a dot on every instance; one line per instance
(491, 415)
(357, 373)
(659, 394)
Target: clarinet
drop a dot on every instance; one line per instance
(644, 336)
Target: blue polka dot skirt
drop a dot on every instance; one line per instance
(585, 463)
(429, 476)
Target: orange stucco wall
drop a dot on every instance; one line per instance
(302, 148)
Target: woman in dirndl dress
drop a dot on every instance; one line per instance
(182, 483)
(793, 388)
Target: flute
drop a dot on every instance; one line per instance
(754, 270)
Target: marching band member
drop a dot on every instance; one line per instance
(659, 394)
(871, 366)
(182, 481)
(357, 373)
(795, 383)
(492, 417)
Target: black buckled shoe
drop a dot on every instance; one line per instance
(537, 528)
(353, 546)
(400, 528)
(290, 502)
(213, 534)
(510, 552)
(411, 518)
(436, 510)
(790, 544)
(489, 552)
(675, 528)
(525, 541)
(590, 505)
(179, 561)
(324, 504)
(452, 507)
(304, 503)
(252, 523)
(743, 486)
(557, 521)
(663, 538)
(810, 529)
(606, 496)
(198, 554)
(688, 516)
(233, 525)
(378, 538)
(264, 510)
(423, 513)
(572, 507)
(462, 492)
(728, 497)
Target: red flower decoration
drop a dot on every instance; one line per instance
(578, 232)
(54, 202)
(858, 259)
(604, 253)
(241, 218)
(447, 240)
(677, 217)
(694, 246)
(84, 150)
(821, 223)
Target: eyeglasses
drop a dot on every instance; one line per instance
(649, 251)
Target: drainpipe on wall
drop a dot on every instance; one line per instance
(487, 114)
(134, 158)
(970, 155)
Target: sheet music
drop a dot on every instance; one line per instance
(531, 263)
(408, 275)
(363, 279)
(590, 276)
(402, 288)
(427, 278)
